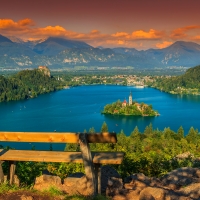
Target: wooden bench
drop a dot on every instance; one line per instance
(92, 160)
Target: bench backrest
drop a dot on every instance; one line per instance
(57, 137)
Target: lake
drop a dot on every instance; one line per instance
(79, 108)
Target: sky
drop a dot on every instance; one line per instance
(140, 24)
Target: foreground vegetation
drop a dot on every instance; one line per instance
(152, 152)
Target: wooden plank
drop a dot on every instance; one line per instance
(1, 173)
(108, 157)
(58, 137)
(102, 138)
(12, 167)
(41, 156)
(49, 137)
(97, 168)
(59, 156)
(88, 164)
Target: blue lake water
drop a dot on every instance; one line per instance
(79, 108)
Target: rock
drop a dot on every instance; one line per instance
(180, 184)
(138, 177)
(74, 185)
(44, 182)
(24, 197)
(106, 173)
(152, 193)
(70, 181)
(192, 190)
(155, 182)
(197, 173)
(114, 186)
(184, 155)
(16, 180)
(179, 177)
(109, 177)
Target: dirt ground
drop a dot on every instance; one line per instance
(26, 195)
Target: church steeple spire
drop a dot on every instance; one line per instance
(130, 99)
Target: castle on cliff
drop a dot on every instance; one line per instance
(45, 70)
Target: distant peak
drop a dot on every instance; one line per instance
(4, 39)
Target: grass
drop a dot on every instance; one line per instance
(5, 187)
(52, 192)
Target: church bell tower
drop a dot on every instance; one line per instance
(130, 99)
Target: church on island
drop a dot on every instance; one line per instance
(130, 101)
(129, 108)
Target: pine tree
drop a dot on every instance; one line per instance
(104, 127)
(135, 133)
(192, 136)
(180, 133)
(148, 129)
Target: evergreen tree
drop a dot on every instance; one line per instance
(135, 133)
(104, 127)
(92, 130)
(148, 129)
(180, 133)
(192, 136)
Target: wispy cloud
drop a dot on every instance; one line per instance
(181, 33)
(164, 44)
(140, 34)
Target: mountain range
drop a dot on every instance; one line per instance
(61, 53)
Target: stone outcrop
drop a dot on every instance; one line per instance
(45, 70)
(180, 184)
(77, 183)
(106, 173)
(44, 182)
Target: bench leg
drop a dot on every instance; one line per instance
(88, 163)
(1, 172)
(12, 167)
(97, 168)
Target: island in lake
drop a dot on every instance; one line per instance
(129, 108)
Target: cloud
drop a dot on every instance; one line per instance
(121, 34)
(197, 37)
(140, 34)
(9, 24)
(151, 34)
(26, 22)
(181, 33)
(164, 44)
(27, 29)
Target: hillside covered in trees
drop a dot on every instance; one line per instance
(188, 83)
(27, 84)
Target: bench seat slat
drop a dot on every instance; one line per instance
(59, 156)
(58, 137)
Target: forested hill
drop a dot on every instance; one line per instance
(27, 84)
(188, 83)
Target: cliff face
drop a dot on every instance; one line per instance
(45, 70)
